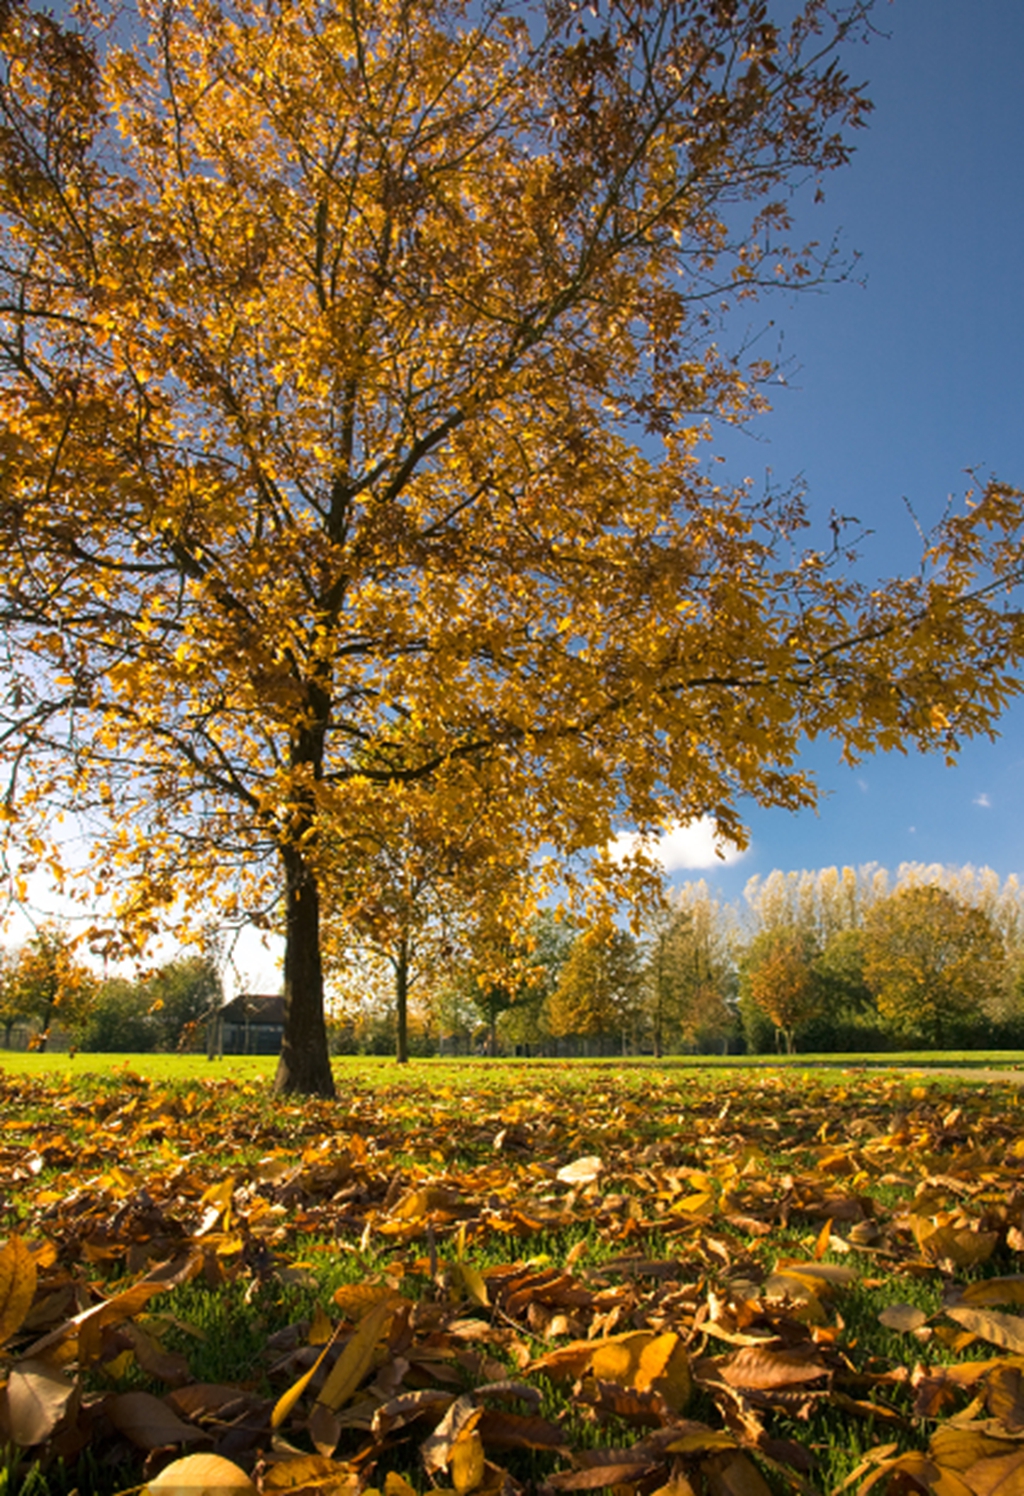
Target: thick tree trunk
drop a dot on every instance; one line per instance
(305, 1063)
(402, 1005)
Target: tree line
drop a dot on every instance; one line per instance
(50, 996)
(838, 959)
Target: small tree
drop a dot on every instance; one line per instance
(779, 980)
(434, 882)
(50, 982)
(119, 1021)
(932, 962)
(598, 991)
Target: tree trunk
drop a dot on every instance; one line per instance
(305, 1063)
(402, 1005)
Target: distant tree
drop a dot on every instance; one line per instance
(179, 995)
(12, 996)
(548, 940)
(50, 983)
(422, 894)
(119, 1020)
(598, 991)
(688, 974)
(932, 962)
(779, 980)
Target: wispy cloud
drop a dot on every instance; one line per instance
(695, 845)
(983, 800)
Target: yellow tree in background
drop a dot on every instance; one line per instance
(356, 361)
(934, 963)
(48, 983)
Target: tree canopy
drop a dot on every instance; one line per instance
(356, 364)
(931, 961)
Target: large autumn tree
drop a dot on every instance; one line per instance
(356, 360)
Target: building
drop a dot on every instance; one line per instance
(251, 1023)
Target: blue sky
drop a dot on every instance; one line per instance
(896, 386)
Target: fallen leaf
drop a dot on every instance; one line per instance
(17, 1285)
(201, 1475)
(903, 1317)
(149, 1423)
(581, 1171)
(1006, 1330)
(38, 1397)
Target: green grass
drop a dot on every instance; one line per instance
(486, 1073)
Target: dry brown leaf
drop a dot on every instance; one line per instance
(38, 1398)
(734, 1475)
(764, 1370)
(149, 1423)
(201, 1475)
(312, 1474)
(905, 1317)
(1002, 1475)
(581, 1170)
(959, 1448)
(992, 1291)
(1006, 1330)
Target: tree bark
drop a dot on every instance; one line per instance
(305, 1063)
(402, 1005)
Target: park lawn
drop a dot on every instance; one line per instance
(196, 1067)
(557, 1276)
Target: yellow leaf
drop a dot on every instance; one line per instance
(17, 1286)
(355, 1360)
(288, 1399)
(467, 1462)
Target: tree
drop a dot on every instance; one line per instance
(49, 982)
(845, 997)
(932, 962)
(355, 365)
(418, 890)
(12, 996)
(598, 989)
(180, 994)
(689, 969)
(779, 979)
(541, 949)
(120, 1021)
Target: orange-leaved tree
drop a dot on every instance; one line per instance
(780, 980)
(356, 362)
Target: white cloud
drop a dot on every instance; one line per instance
(694, 845)
(983, 800)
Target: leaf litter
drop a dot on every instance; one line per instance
(647, 1285)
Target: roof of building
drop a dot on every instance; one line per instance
(254, 1007)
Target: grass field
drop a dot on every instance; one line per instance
(493, 1277)
(178, 1067)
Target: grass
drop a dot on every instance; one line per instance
(475, 1071)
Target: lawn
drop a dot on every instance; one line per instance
(495, 1277)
